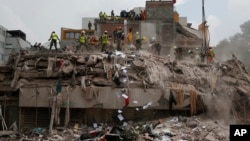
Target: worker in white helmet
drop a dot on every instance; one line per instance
(105, 40)
(82, 42)
(155, 45)
(138, 41)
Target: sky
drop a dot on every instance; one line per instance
(38, 18)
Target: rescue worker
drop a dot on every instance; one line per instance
(112, 15)
(138, 41)
(104, 41)
(157, 47)
(101, 16)
(120, 37)
(104, 16)
(53, 40)
(130, 37)
(115, 34)
(178, 53)
(89, 25)
(82, 42)
(210, 55)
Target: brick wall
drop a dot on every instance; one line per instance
(157, 10)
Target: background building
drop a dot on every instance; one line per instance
(2, 43)
(11, 40)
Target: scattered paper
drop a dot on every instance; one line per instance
(150, 103)
(125, 96)
(123, 68)
(124, 80)
(123, 55)
(120, 117)
(124, 71)
(119, 111)
(136, 102)
(95, 125)
(145, 107)
(125, 124)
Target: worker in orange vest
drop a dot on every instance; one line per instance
(210, 55)
(130, 37)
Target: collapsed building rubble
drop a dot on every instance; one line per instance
(130, 81)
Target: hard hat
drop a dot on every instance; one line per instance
(137, 32)
(153, 39)
(83, 31)
(175, 47)
(105, 31)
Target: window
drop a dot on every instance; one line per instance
(77, 35)
(8, 46)
(67, 36)
(2, 32)
(72, 35)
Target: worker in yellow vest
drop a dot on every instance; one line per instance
(104, 41)
(82, 42)
(53, 40)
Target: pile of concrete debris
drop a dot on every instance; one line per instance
(221, 89)
(167, 129)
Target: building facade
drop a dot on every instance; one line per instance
(2, 43)
(11, 40)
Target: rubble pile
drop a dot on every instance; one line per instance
(221, 89)
(167, 129)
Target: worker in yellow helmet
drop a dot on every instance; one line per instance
(82, 42)
(104, 41)
(53, 40)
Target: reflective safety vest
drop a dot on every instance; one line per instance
(210, 53)
(54, 36)
(82, 39)
(137, 37)
(105, 39)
